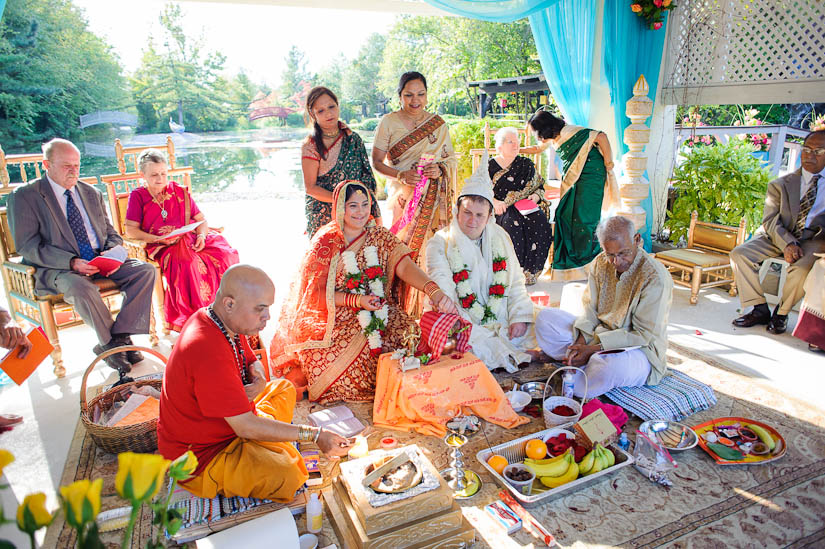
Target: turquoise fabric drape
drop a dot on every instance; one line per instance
(2, 7)
(630, 49)
(563, 31)
(564, 36)
(498, 11)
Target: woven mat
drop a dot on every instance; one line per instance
(778, 504)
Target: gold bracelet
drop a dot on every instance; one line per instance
(308, 433)
(430, 288)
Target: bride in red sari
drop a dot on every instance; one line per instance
(343, 310)
(193, 263)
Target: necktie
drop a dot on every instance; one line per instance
(76, 224)
(806, 205)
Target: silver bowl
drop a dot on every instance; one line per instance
(534, 388)
(672, 435)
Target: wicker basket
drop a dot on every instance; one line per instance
(554, 420)
(141, 437)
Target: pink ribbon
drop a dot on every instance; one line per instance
(412, 204)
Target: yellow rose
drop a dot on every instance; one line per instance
(6, 457)
(636, 8)
(183, 467)
(81, 501)
(32, 514)
(139, 476)
(666, 3)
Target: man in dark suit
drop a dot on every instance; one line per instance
(59, 224)
(793, 227)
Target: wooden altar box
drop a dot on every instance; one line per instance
(444, 529)
(405, 511)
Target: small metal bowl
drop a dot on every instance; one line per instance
(672, 435)
(533, 388)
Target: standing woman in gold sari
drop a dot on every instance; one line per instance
(413, 147)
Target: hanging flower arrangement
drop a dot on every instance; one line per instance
(652, 11)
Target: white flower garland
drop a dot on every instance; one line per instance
(369, 282)
(481, 314)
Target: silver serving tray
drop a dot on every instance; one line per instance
(513, 451)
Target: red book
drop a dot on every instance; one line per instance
(106, 265)
(19, 369)
(526, 206)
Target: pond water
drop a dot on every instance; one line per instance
(241, 164)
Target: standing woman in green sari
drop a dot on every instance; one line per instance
(588, 188)
(331, 153)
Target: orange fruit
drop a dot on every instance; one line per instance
(498, 463)
(535, 449)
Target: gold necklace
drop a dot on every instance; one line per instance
(415, 121)
(163, 213)
(331, 135)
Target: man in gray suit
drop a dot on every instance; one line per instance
(59, 224)
(793, 227)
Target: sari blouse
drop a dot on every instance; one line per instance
(346, 159)
(405, 147)
(144, 210)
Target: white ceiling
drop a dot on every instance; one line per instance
(412, 7)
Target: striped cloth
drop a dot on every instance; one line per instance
(676, 397)
(197, 510)
(435, 331)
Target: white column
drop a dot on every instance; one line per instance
(633, 185)
(660, 159)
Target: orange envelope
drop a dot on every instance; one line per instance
(19, 369)
(148, 409)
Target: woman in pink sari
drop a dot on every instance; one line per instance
(192, 263)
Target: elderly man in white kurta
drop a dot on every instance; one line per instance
(475, 265)
(621, 338)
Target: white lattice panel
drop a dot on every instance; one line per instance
(745, 51)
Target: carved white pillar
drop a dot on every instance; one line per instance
(633, 186)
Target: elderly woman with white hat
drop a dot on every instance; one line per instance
(474, 264)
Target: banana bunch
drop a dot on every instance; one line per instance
(599, 459)
(555, 471)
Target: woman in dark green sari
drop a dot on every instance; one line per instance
(331, 154)
(588, 187)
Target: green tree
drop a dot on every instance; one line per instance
(52, 70)
(362, 74)
(451, 51)
(182, 82)
(293, 76)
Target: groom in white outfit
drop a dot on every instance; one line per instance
(475, 265)
(621, 338)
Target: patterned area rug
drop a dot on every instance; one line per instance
(87, 461)
(774, 505)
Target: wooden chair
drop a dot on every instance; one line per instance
(18, 163)
(118, 187)
(131, 154)
(707, 255)
(50, 312)
(524, 137)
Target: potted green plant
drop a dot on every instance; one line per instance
(723, 182)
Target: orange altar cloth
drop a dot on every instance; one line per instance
(426, 399)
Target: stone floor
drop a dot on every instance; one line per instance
(51, 406)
